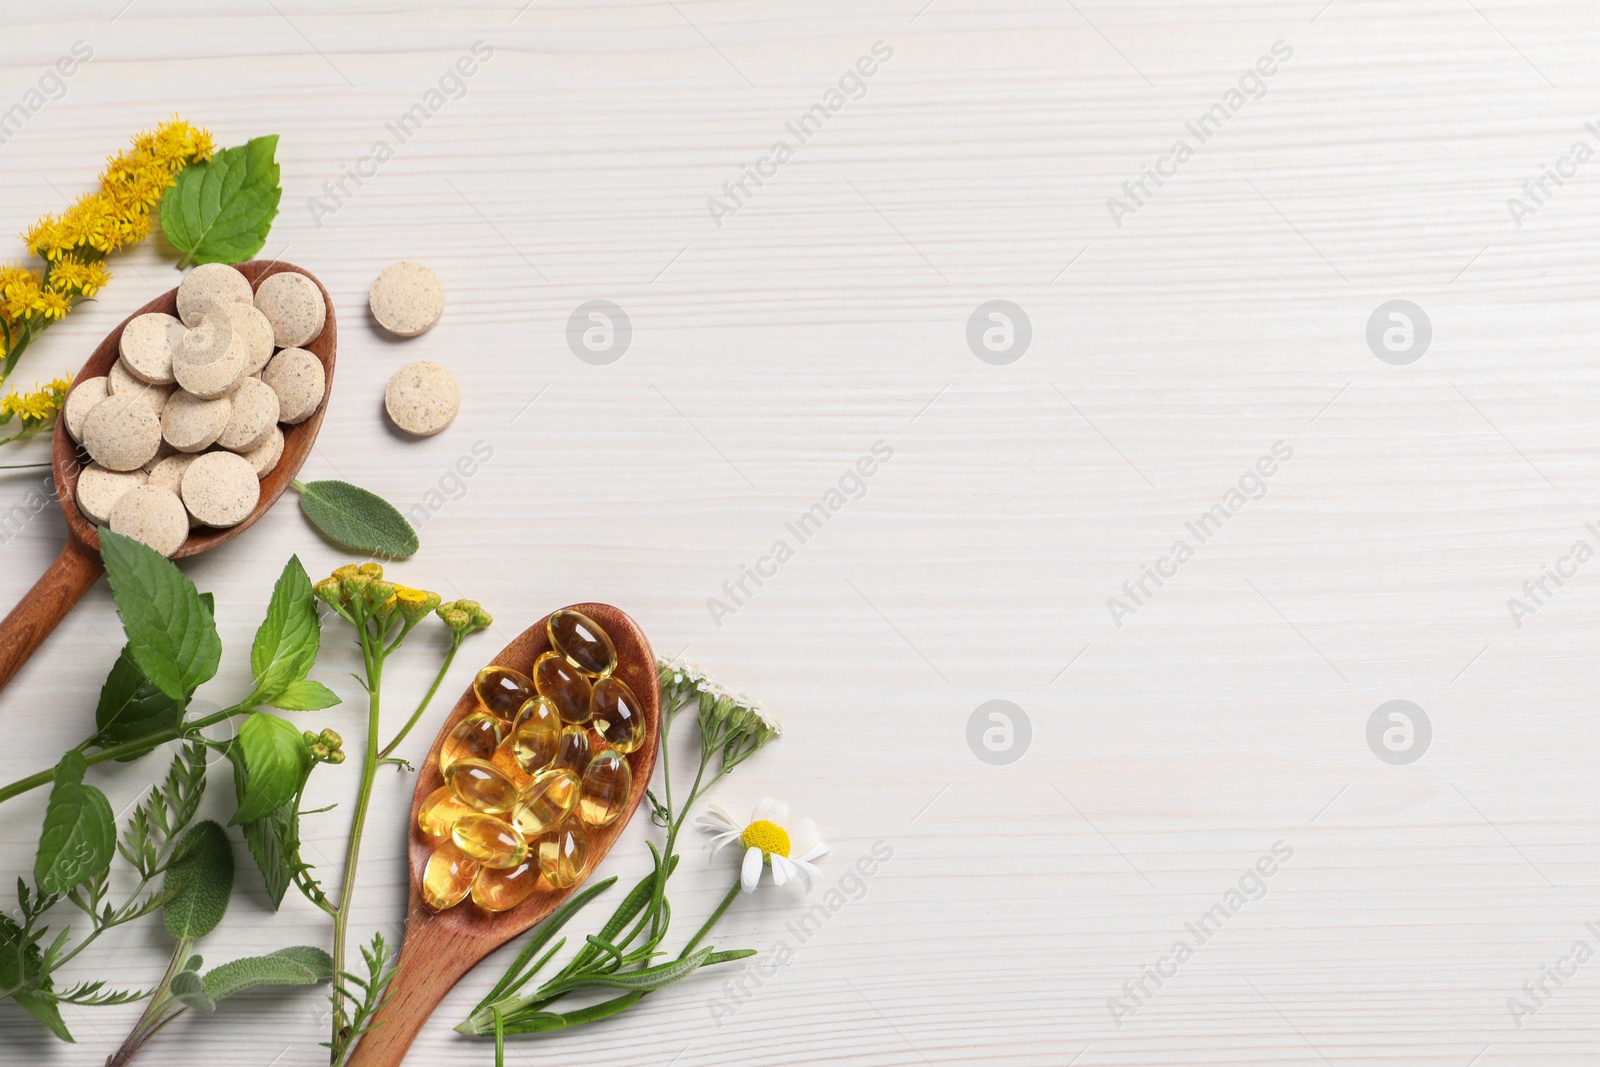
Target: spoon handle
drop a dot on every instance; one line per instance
(431, 963)
(45, 605)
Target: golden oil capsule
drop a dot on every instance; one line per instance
(439, 812)
(481, 786)
(546, 802)
(448, 878)
(604, 788)
(572, 750)
(491, 841)
(535, 734)
(475, 737)
(564, 855)
(502, 691)
(616, 714)
(502, 890)
(505, 757)
(582, 643)
(561, 684)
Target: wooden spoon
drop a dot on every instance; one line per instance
(440, 947)
(79, 566)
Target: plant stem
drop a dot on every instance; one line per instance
(427, 698)
(154, 1018)
(369, 771)
(126, 748)
(727, 902)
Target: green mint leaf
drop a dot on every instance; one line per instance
(221, 210)
(200, 879)
(300, 965)
(274, 839)
(171, 634)
(131, 707)
(22, 978)
(80, 833)
(270, 761)
(286, 644)
(189, 989)
(305, 695)
(351, 516)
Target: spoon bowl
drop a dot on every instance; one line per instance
(78, 566)
(441, 947)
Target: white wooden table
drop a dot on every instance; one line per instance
(779, 335)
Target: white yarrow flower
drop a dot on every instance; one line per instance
(768, 839)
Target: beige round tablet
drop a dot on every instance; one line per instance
(121, 433)
(407, 299)
(146, 347)
(100, 489)
(299, 380)
(422, 398)
(163, 450)
(84, 396)
(212, 358)
(122, 382)
(293, 304)
(193, 424)
(265, 456)
(152, 515)
(221, 489)
(210, 283)
(254, 412)
(168, 474)
(256, 332)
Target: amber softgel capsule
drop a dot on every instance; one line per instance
(439, 812)
(564, 686)
(604, 788)
(491, 841)
(502, 691)
(475, 737)
(481, 786)
(546, 802)
(580, 641)
(616, 714)
(535, 735)
(447, 879)
(564, 855)
(502, 890)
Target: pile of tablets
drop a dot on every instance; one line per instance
(186, 423)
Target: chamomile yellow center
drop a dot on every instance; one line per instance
(769, 837)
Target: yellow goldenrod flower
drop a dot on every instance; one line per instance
(73, 244)
(52, 305)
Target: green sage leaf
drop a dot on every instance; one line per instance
(171, 634)
(286, 644)
(271, 761)
(131, 707)
(221, 210)
(300, 965)
(357, 519)
(200, 879)
(305, 695)
(80, 833)
(22, 978)
(189, 989)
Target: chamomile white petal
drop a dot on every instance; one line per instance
(750, 870)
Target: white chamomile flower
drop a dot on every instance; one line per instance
(768, 839)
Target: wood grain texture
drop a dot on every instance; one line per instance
(440, 947)
(828, 313)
